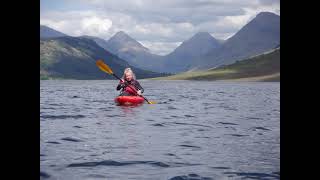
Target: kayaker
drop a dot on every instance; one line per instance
(129, 85)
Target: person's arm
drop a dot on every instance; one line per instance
(120, 85)
(139, 87)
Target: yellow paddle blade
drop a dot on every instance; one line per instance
(152, 102)
(104, 67)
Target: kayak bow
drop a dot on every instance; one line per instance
(129, 100)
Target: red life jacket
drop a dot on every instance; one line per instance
(131, 90)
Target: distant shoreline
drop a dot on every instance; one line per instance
(263, 78)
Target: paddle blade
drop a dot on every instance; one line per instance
(151, 102)
(104, 67)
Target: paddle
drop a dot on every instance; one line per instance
(107, 69)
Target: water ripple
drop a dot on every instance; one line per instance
(116, 163)
(62, 116)
(157, 124)
(227, 123)
(127, 163)
(254, 175)
(53, 142)
(44, 175)
(220, 167)
(71, 139)
(237, 135)
(190, 124)
(190, 177)
(184, 145)
(260, 128)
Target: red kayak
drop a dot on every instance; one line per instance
(128, 100)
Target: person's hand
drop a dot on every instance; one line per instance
(122, 83)
(139, 92)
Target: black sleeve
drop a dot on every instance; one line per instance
(138, 86)
(120, 86)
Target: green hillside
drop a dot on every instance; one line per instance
(74, 58)
(265, 67)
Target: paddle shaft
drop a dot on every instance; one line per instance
(131, 88)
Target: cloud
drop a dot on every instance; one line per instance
(77, 23)
(171, 32)
(160, 25)
(269, 2)
(160, 48)
(176, 11)
(95, 25)
(104, 25)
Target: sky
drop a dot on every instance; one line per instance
(160, 26)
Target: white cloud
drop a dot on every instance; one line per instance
(235, 21)
(160, 25)
(171, 32)
(78, 23)
(222, 36)
(160, 48)
(95, 25)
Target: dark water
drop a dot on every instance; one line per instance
(198, 130)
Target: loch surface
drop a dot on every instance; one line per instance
(197, 130)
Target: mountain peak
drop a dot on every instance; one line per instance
(47, 32)
(263, 25)
(202, 36)
(122, 42)
(184, 55)
(266, 15)
(259, 35)
(121, 35)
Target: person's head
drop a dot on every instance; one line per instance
(128, 74)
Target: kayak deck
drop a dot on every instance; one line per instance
(129, 100)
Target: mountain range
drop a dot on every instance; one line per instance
(122, 45)
(263, 67)
(202, 51)
(259, 35)
(184, 55)
(74, 58)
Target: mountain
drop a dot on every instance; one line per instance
(136, 54)
(101, 42)
(202, 51)
(259, 35)
(46, 32)
(132, 51)
(184, 55)
(121, 43)
(263, 67)
(74, 58)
